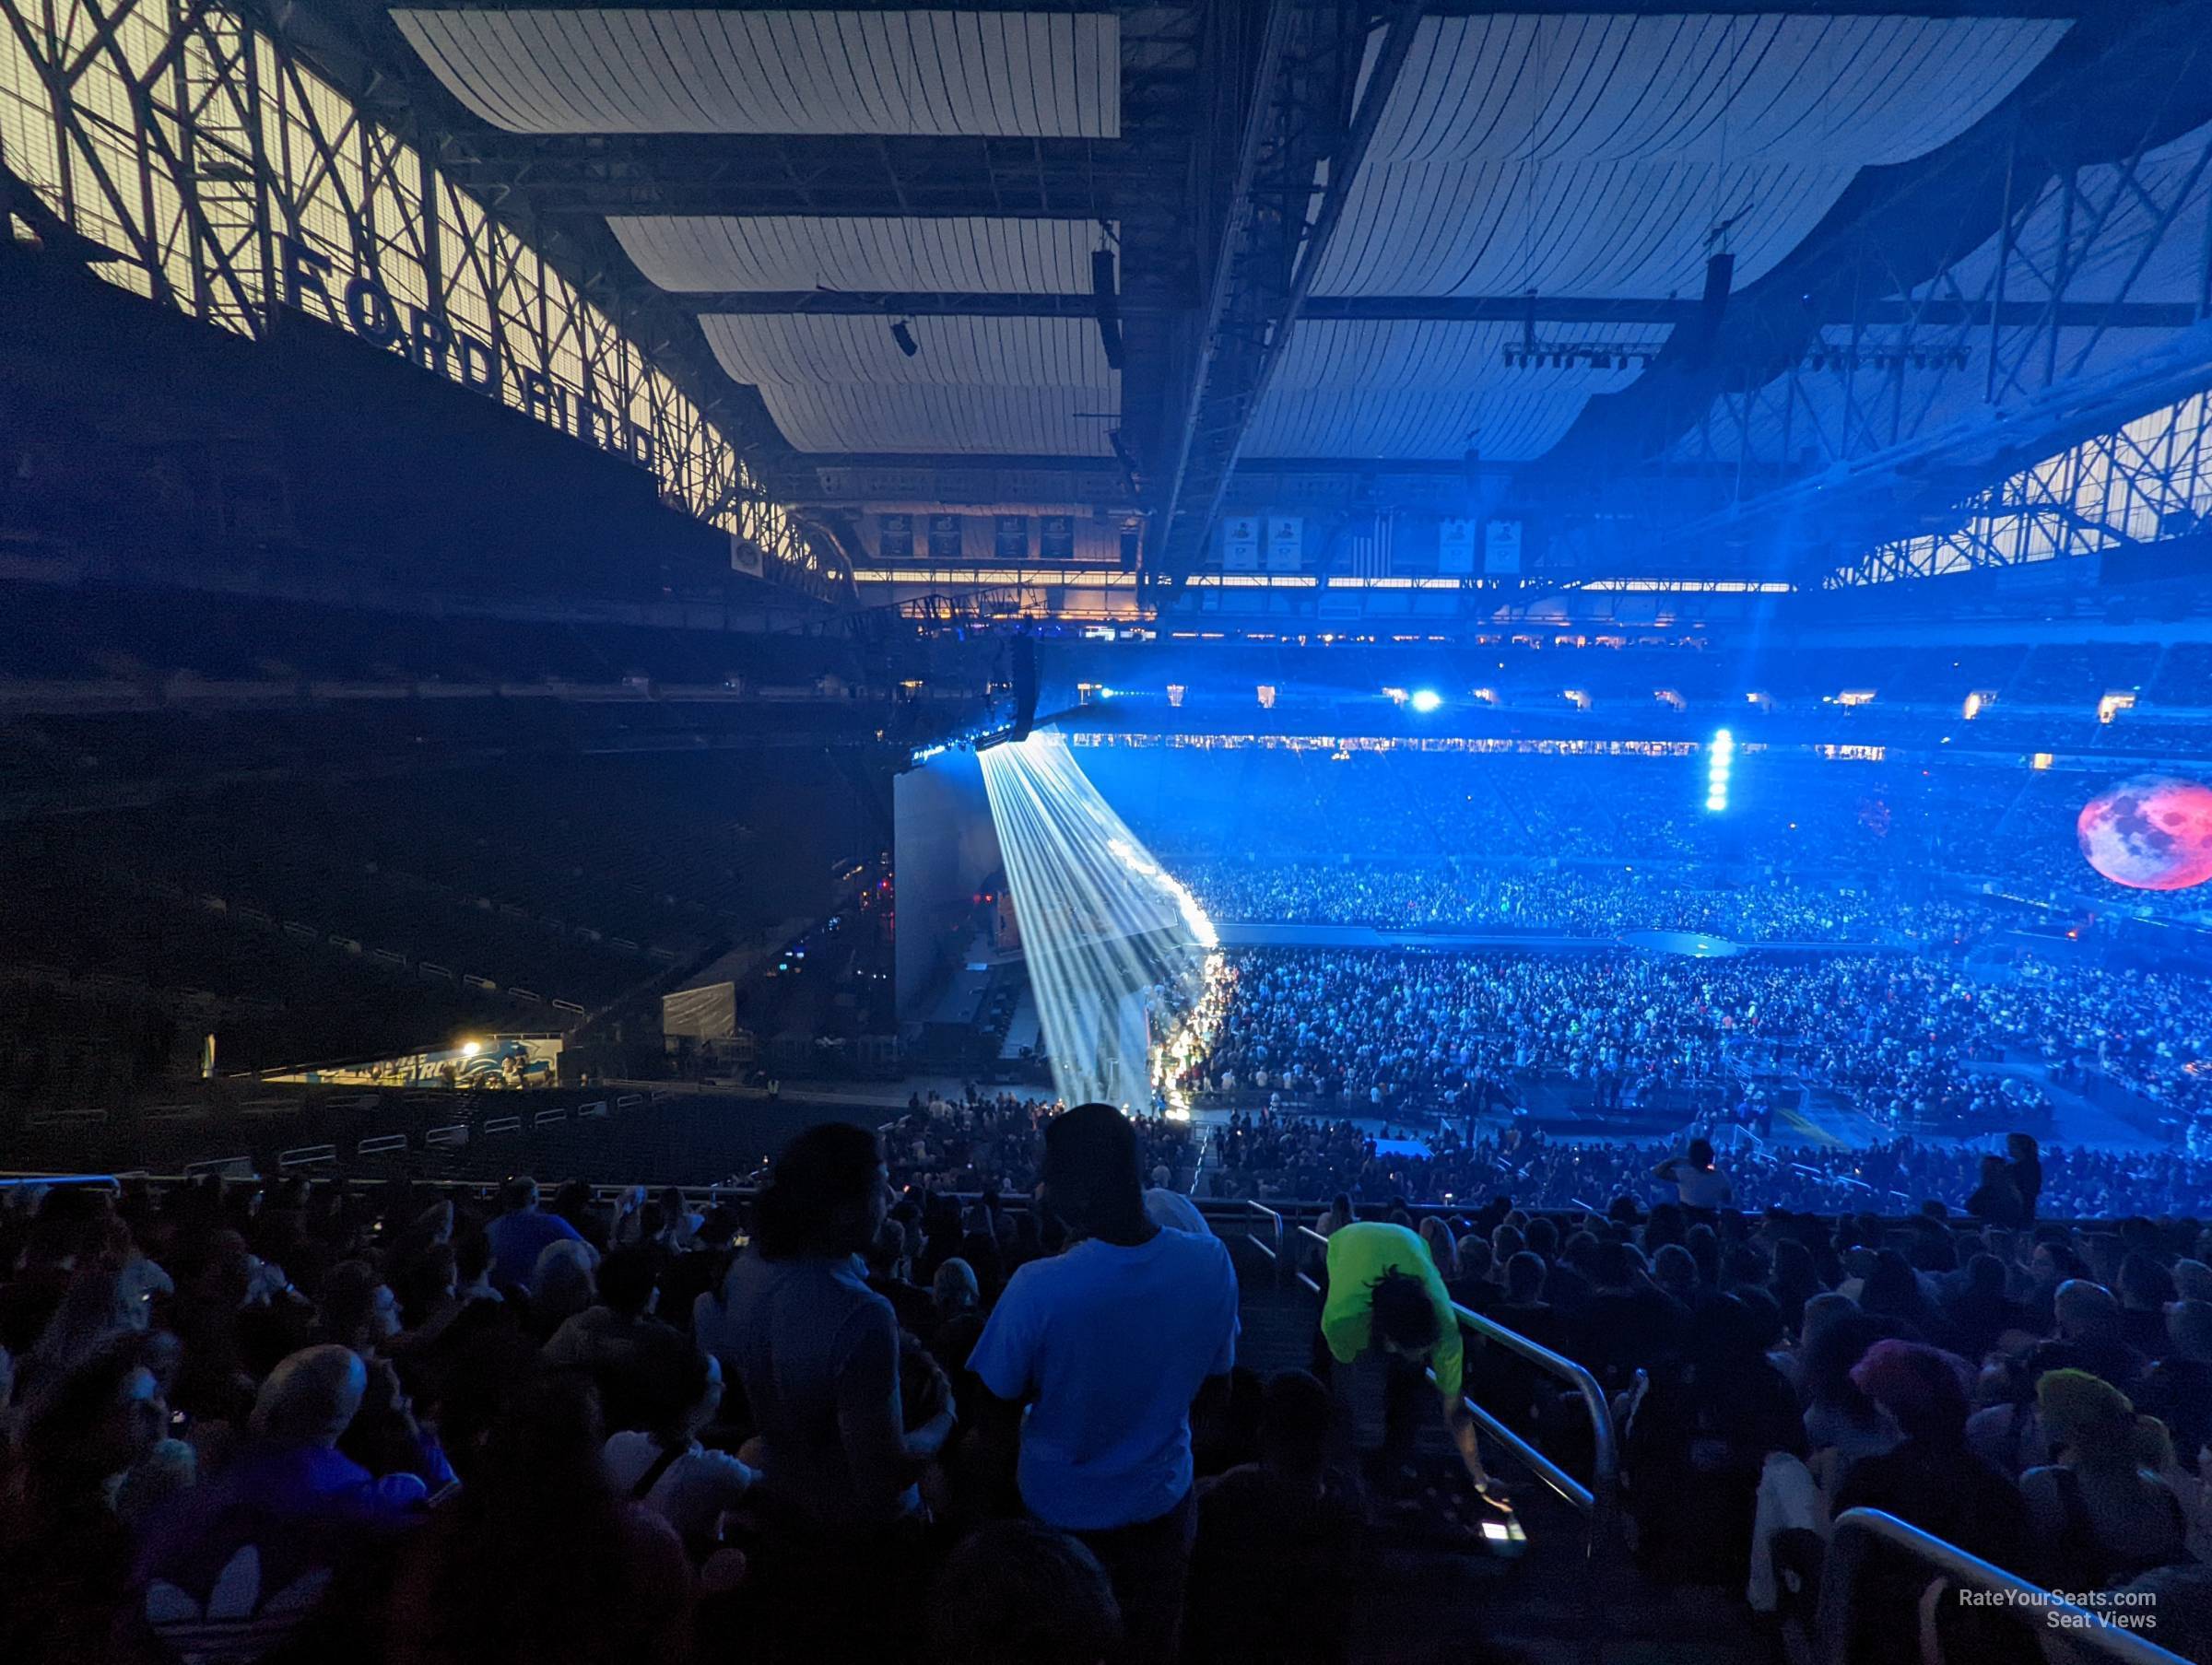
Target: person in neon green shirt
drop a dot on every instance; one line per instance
(1385, 1289)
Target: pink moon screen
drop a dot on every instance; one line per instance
(2151, 833)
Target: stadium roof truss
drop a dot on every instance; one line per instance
(1789, 292)
(187, 155)
(2034, 399)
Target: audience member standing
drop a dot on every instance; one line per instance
(817, 1352)
(1695, 1177)
(521, 1234)
(2024, 1166)
(816, 1348)
(1107, 1344)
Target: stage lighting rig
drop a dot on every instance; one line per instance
(1720, 758)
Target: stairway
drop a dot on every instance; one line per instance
(1435, 1596)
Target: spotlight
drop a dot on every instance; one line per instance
(1719, 757)
(904, 336)
(1425, 700)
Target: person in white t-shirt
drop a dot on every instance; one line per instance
(667, 1469)
(1107, 1344)
(1697, 1181)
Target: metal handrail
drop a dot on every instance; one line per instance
(1273, 1248)
(1596, 1500)
(1857, 1530)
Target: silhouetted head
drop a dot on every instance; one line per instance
(1092, 1176)
(1018, 1593)
(827, 1194)
(1405, 1321)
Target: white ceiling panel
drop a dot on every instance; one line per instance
(1611, 155)
(956, 352)
(1698, 87)
(1036, 386)
(795, 252)
(1041, 75)
(1029, 421)
(1568, 228)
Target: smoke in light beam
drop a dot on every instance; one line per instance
(1115, 946)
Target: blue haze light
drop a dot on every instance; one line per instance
(1425, 700)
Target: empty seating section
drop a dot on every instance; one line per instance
(139, 965)
(525, 894)
(94, 633)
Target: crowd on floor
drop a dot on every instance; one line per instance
(1575, 900)
(1911, 1040)
(994, 1141)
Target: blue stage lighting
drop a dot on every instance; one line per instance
(1425, 700)
(1720, 757)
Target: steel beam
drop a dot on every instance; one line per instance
(1310, 107)
(1942, 313)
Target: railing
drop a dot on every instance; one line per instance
(1597, 1501)
(1272, 1245)
(1856, 1531)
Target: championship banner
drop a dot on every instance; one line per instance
(1502, 547)
(1240, 543)
(1455, 546)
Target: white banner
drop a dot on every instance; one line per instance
(1502, 547)
(1286, 542)
(1240, 543)
(1455, 546)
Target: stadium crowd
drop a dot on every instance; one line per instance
(1385, 837)
(1272, 1158)
(1415, 1034)
(981, 1142)
(2038, 1394)
(1912, 1040)
(1583, 901)
(376, 1426)
(383, 1427)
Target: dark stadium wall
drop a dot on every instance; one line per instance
(945, 848)
(157, 439)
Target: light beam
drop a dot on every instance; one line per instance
(1116, 947)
